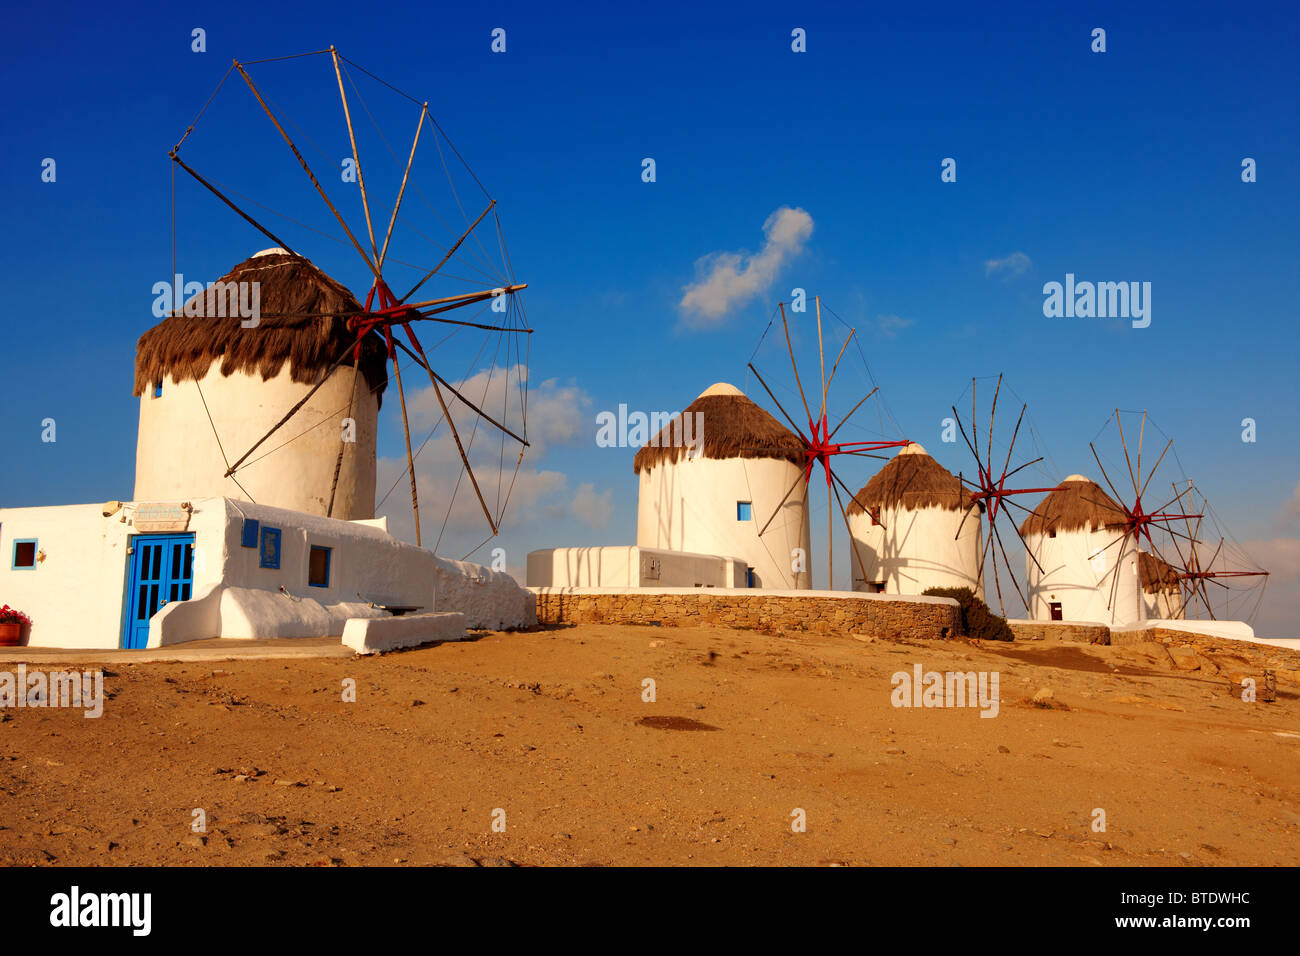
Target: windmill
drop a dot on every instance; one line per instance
(990, 487)
(460, 280)
(818, 436)
(1157, 527)
(1227, 567)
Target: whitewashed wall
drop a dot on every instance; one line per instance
(177, 456)
(690, 505)
(486, 598)
(623, 566)
(1076, 568)
(911, 550)
(1162, 604)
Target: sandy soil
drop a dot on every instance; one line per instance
(551, 727)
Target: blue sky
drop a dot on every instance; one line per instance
(1115, 166)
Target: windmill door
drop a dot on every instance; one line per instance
(160, 571)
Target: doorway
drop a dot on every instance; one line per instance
(160, 572)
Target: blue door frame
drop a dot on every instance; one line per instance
(161, 571)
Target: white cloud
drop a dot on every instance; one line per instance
(891, 325)
(727, 280)
(1013, 265)
(557, 415)
(593, 510)
(1292, 508)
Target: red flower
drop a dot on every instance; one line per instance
(10, 616)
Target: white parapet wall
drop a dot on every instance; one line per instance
(488, 599)
(377, 635)
(621, 566)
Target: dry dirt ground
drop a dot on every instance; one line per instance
(550, 727)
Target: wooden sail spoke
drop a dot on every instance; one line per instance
(797, 430)
(370, 264)
(392, 220)
(799, 480)
(356, 158)
(450, 252)
(785, 325)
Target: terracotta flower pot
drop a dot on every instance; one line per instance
(11, 634)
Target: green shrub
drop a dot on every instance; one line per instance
(977, 620)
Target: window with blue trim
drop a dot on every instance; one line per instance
(744, 511)
(270, 551)
(249, 536)
(157, 389)
(24, 554)
(318, 567)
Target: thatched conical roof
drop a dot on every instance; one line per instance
(911, 480)
(303, 322)
(1075, 503)
(1155, 574)
(734, 427)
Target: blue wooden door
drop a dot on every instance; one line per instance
(162, 571)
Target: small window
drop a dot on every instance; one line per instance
(1054, 609)
(24, 554)
(744, 511)
(318, 567)
(157, 389)
(270, 554)
(1052, 533)
(250, 533)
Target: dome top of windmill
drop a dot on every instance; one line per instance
(734, 427)
(303, 322)
(911, 480)
(1075, 503)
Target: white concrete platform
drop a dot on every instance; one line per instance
(377, 635)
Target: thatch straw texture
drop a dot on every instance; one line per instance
(1075, 503)
(733, 426)
(911, 480)
(1155, 574)
(301, 324)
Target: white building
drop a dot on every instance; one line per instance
(914, 527)
(715, 476)
(196, 555)
(1077, 535)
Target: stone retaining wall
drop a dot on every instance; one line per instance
(1074, 633)
(871, 615)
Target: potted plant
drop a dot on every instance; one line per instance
(11, 626)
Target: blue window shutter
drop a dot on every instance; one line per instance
(744, 511)
(250, 534)
(270, 553)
